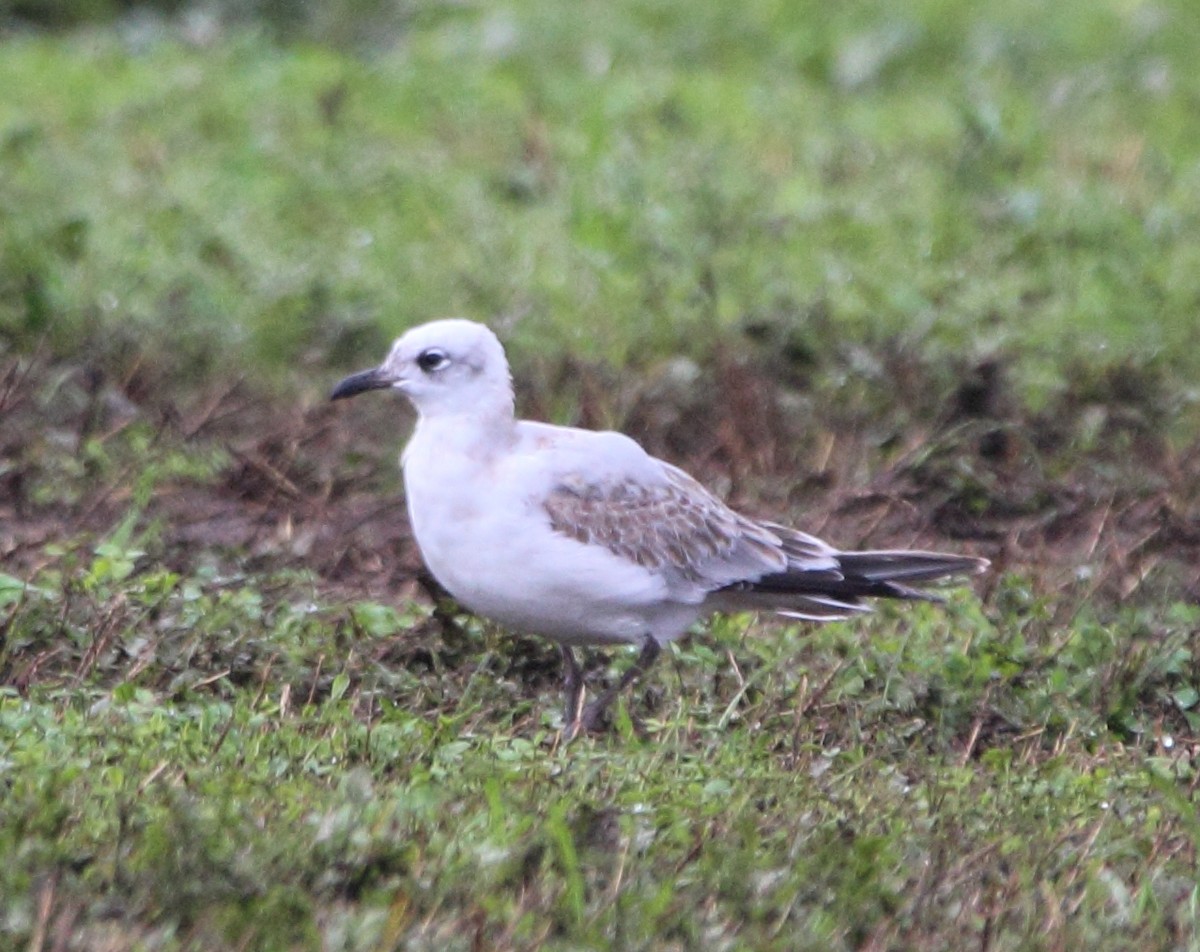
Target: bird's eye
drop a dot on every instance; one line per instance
(432, 359)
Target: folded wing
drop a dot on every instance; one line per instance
(709, 553)
(671, 526)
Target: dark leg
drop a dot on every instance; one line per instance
(591, 715)
(573, 683)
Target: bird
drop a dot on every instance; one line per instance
(585, 538)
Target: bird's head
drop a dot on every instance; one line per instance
(451, 366)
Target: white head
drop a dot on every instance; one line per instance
(446, 367)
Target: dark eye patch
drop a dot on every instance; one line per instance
(432, 359)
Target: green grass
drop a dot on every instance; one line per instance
(624, 182)
(849, 218)
(205, 761)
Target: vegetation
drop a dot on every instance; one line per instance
(923, 274)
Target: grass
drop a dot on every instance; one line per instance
(906, 274)
(200, 761)
(623, 183)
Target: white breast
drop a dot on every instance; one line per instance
(484, 535)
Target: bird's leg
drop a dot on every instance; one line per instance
(591, 714)
(573, 683)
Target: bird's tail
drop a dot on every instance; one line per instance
(831, 584)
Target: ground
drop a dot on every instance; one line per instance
(921, 279)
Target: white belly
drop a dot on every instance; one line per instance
(496, 553)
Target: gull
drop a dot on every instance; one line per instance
(582, 536)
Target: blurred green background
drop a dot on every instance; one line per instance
(278, 186)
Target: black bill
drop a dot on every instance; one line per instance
(361, 382)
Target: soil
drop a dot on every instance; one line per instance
(1087, 499)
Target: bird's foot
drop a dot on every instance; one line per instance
(582, 719)
(588, 718)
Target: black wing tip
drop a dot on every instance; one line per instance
(977, 564)
(901, 565)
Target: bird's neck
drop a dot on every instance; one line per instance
(476, 431)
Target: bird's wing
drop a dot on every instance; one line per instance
(660, 518)
(669, 524)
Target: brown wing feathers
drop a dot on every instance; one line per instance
(680, 529)
(674, 526)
